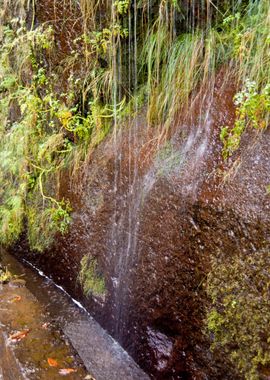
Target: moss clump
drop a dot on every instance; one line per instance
(90, 278)
(239, 319)
(5, 275)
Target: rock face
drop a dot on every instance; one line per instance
(152, 213)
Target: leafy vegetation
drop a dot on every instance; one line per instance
(5, 275)
(176, 66)
(160, 62)
(30, 147)
(238, 284)
(252, 111)
(41, 140)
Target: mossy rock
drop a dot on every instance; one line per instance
(239, 318)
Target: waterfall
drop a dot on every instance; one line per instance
(133, 164)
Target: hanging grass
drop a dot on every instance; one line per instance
(156, 55)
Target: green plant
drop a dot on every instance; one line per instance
(140, 57)
(252, 111)
(5, 275)
(30, 150)
(122, 6)
(90, 278)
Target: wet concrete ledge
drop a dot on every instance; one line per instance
(106, 360)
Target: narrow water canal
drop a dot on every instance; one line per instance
(44, 334)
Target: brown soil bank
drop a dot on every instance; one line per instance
(152, 218)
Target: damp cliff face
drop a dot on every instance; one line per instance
(153, 218)
(143, 175)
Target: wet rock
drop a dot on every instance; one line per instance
(162, 347)
(153, 222)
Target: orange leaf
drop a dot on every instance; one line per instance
(15, 299)
(67, 371)
(52, 362)
(19, 335)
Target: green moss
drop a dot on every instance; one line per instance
(239, 319)
(90, 278)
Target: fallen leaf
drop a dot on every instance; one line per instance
(15, 299)
(52, 362)
(19, 335)
(67, 371)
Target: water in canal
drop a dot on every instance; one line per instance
(44, 334)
